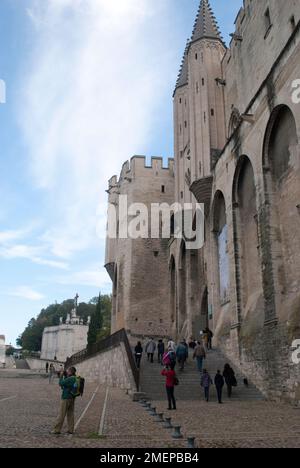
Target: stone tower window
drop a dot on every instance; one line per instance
(196, 56)
(212, 112)
(203, 82)
(163, 189)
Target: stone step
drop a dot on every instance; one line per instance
(152, 383)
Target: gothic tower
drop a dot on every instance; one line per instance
(199, 137)
(199, 116)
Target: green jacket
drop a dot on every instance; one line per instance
(67, 385)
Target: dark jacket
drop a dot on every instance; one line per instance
(219, 381)
(229, 376)
(206, 380)
(138, 350)
(182, 351)
(161, 348)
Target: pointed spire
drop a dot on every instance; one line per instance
(206, 24)
(183, 77)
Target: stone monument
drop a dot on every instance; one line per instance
(67, 338)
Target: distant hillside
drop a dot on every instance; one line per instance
(31, 338)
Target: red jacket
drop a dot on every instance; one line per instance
(170, 377)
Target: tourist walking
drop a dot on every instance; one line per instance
(219, 383)
(199, 355)
(160, 350)
(138, 353)
(230, 379)
(68, 384)
(171, 382)
(182, 354)
(209, 336)
(172, 346)
(192, 344)
(150, 350)
(205, 339)
(52, 373)
(206, 383)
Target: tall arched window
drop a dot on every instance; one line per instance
(173, 305)
(182, 288)
(221, 237)
(246, 238)
(282, 183)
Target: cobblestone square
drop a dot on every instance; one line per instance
(29, 405)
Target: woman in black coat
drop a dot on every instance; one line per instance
(230, 379)
(138, 352)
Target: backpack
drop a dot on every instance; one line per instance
(78, 387)
(166, 359)
(176, 381)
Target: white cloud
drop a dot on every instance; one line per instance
(8, 236)
(92, 86)
(93, 277)
(10, 250)
(26, 292)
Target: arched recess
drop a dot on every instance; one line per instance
(182, 288)
(114, 299)
(281, 164)
(204, 311)
(220, 244)
(246, 240)
(173, 301)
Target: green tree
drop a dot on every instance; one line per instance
(96, 323)
(10, 351)
(31, 338)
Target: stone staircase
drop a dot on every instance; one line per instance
(22, 364)
(153, 384)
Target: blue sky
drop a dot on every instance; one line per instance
(89, 84)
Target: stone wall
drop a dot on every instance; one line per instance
(40, 364)
(63, 341)
(109, 368)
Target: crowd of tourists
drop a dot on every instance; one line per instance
(169, 355)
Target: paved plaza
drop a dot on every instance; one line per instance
(29, 405)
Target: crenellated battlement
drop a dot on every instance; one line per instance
(137, 167)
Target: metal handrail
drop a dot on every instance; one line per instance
(104, 345)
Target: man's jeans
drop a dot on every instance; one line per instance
(200, 363)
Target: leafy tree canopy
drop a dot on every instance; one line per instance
(31, 338)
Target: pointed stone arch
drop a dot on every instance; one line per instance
(280, 216)
(246, 240)
(220, 247)
(182, 288)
